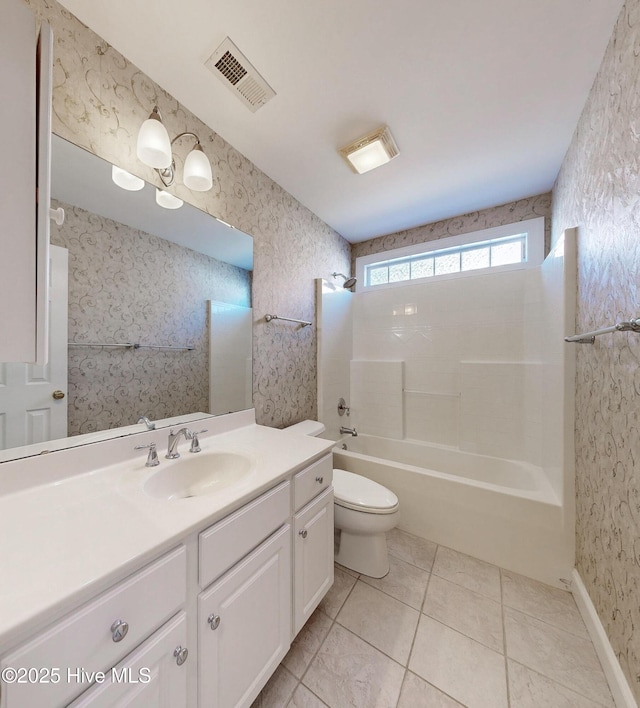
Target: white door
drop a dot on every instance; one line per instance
(29, 413)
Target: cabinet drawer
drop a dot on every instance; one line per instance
(150, 676)
(312, 480)
(84, 639)
(225, 543)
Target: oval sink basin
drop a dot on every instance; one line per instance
(198, 474)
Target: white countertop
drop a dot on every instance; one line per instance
(64, 541)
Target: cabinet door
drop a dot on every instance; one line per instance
(149, 677)
(244, 625)
(313, 562)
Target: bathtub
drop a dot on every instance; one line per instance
(501, 511)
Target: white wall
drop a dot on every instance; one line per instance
(484, 361)
(229, 357)
(335, 335)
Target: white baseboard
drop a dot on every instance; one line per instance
(618, 683)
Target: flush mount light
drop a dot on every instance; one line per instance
(168, 201)
(126, 180)
(154, 149)
(370, 151)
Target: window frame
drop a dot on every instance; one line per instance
(532, 228)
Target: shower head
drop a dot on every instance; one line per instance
(348, 282)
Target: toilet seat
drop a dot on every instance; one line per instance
(353, 491)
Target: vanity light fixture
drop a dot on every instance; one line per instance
(370, 151)
(126, 180)
(154, 149)
(168, 201)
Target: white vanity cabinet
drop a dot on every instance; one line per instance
(221, 609)
(244, 617)
(313, 539)
(152, 676)
(244, 625)
(97, 636)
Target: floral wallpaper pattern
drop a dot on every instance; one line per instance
(100, 99)
(129, 286)
(598, 190)
(521, 210)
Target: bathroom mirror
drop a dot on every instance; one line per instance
(141, 299)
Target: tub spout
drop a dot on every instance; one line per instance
(350, 431)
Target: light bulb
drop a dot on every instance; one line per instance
(197, 171)
(126, 180)
(168, 201)
(154, 146)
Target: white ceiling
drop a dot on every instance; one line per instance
(482, 96)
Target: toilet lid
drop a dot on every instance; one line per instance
(354, 491)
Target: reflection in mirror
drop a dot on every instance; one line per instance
(130, 333)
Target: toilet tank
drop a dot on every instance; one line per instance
(307, 427)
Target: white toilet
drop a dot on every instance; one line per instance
(363, 512)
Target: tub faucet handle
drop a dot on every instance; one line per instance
(343, 407)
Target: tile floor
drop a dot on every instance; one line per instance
(441, 630)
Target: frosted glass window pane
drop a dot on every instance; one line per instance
(399, 272)
(422, 268)
(506, 253)
(449, 263)
(478, 258)
(378, 276)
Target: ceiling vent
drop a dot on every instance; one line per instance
(237, 73)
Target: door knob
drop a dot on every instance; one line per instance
(58, 395)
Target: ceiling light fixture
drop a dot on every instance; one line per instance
(126, 180)
(370, 151)
(168, 201)
(154, 149)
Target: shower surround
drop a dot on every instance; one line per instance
(471, 371)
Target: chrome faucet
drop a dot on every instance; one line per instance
(174, 438)
(351, 431)
(147, 422)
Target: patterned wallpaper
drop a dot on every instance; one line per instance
(521, 210)
(598, 190)
(100, 99)
(128, 286)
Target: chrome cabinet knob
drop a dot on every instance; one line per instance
(119, 630)
(303, 533)
(181, 653)
(319, 480)
(214, 621)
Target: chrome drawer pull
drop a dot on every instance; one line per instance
(319, 480)
(181, 654)
(303, 533)
(119, 630)
(214, 621)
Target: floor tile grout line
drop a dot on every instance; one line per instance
(333, 622)
(504, 641)
(393, 597)
(585, 638)
(559, 683)
(415, 632)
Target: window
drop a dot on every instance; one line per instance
(506, 247)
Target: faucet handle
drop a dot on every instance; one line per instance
(152, 457)
(195, 443)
